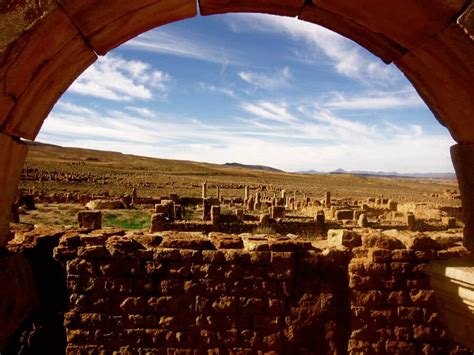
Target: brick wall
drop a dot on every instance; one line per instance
(392, 304)
(191, 293)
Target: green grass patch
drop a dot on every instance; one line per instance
(127, 220)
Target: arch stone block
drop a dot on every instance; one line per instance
(378, 44)
(442, 70)
(34, 49)
(46, 87)
(466, 20)
(462, 156)
(12, 156)
(17, 17)
(409, 23)
(107, 24)
(276, 7)
(6, 104)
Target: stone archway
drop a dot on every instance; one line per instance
(45, 45)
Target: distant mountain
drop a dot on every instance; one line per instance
(254, 167)
(393, 174)
(310, 172)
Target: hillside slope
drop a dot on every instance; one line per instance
(157, 177)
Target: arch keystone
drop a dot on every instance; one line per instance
(275, 7)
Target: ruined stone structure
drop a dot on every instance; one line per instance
(45, 45)
(90, 219)
(189, 292)
(204, 190)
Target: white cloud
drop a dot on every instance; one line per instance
(273, 81)
(313, 139)
(346, 57)
(142, 111)
(217, 89)
(183, 45)
(69, 107)
(374, 100)
(274, 111)
(117, 79)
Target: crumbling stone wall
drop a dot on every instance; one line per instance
(392, 303)
(175, 291)
(188, 292)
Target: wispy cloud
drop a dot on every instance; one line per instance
(117, 79)
(64, 106)
(374, 100)
(347, 58)
(184, 45)
(268, 81)
(313, 139)
(274, 111)
(142, 111)
(216, 89)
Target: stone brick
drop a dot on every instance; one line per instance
(378, 255)
(429, 333)
(286, 7)
(171, 286)
(92, 252)
(226, 305)
(403, 333)
(403, 255)
(266, 322)
(422, 297)
(343, 237)
(251, 305)
(382, 241)
(410, 314)
(399, 347)
(368, 298)
(90, 219)
(400, 268)
(226, 241)
(398, 298)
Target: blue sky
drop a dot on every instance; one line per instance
(256, 89)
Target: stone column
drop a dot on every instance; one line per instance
(247, 194)
(462, 156)
(320, 221)
(204, 190)
(90, 219)
(327, 199)
(218, 193)
(257, 205)
(215, 214)
(206, 209)
(12, 156)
